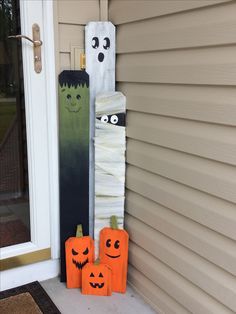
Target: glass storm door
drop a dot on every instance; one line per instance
(24, 161)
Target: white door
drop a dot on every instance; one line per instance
(41, 136)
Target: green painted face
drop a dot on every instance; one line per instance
(72, 98)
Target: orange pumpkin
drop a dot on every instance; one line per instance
(79, 252)
(96, 279)
(113, 251)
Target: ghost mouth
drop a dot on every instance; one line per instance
(79, 265)
(97, 285)
(100, 57)
(113, 256)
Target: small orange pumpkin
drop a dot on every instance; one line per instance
(79, 252)
(113, 251)
(96, 279)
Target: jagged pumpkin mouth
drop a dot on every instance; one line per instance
(96, 285)
(79, 265)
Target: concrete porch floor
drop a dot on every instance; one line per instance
(71, 301)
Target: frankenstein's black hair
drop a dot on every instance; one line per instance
(73, 78)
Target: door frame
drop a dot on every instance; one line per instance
(48, 268)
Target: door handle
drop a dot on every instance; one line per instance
(37, 43)
(34, 42)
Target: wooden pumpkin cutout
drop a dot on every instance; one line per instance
(79, 252)
(113, 251)
(96, 279)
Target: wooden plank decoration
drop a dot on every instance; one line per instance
(74, 156)
(110, 146)
(100, 65)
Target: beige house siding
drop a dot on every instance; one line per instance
(176, 63)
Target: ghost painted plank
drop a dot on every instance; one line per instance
(100, 65)
(74, 155)
(110, 146)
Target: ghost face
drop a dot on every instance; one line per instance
(100, 49)
(102, 45)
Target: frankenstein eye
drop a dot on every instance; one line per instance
(100, 275)
(95, 42)
(108, 243)
(114, 119)
(91, 275)
(86, 252)
(104, 119)
(74, 252)
(68, 96)
(78, 97)
(117, 244)
(107, 43)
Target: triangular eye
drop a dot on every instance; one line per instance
(91, 275)
(100, 275)
(74, 252)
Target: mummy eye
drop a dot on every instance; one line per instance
(95, 42)
(114, 119)
(107, 43)
(104, 119)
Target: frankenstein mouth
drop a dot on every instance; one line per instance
(97, 285)
(73, 108)
(80, 265)
(113, 256)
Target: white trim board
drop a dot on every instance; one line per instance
(22, 275)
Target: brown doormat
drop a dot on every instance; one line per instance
(28, 299)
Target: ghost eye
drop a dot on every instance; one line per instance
(117, 244)
(74, 252)
(108, 243)
(100, 275)
(104, 119)
(114, 119)
(92, 275)
(78, 97)
(86, 252)
(95, 42)
(107, 43)
(68, 96)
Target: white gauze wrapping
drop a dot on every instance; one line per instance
(110, 146)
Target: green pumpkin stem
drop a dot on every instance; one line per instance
(97, 262)
(79, 231)
(113, 222)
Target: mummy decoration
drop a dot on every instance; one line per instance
(110, 148)
(100, 65)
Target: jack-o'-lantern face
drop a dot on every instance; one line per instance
(96, 279)
(80, 256)
(113, 251)
(114, 244)
(112, 247)
(79, 251)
